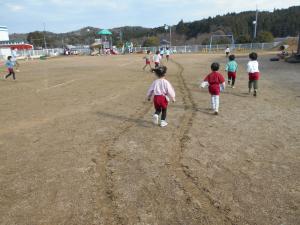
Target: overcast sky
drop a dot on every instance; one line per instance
(67, 15)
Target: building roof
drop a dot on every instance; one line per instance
(16, 41)
(104, 32)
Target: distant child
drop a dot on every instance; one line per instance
(162, 52)
(162, 90)
(156, 59)
(253, 72)
(216, 82)
(227, 51)
(10, 66)
(14, 59)
(167, 54)
(148, 60)
(231, 68)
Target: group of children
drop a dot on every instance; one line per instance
(162, 90)
(157, 58)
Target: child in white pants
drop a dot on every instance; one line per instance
(216, 83)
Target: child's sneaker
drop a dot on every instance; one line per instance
(255, 93)
(216, 113)
(155, 119)
(163, 123)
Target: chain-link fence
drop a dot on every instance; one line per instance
(31, 54)
(211, 48)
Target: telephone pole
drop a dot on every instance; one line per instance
(255, 23)
(45, 43)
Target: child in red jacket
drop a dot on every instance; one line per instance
(216, 82)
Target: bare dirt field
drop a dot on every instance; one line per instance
(77, 146)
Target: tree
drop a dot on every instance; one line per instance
(36, 38)
(265, 36)
(244, 38)
(151, 41)
(181, 28)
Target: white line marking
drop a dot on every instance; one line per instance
(58, 85)
(128, 63)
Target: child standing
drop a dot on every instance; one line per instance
(253, 72)
(161, 89)
(156, 59)
(14, 59)
(148, 62)
(231, 68)
(10, 66)
(227, 51)
(215, 80)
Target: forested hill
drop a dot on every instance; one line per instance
(279, 23)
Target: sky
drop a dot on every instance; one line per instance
(59, 16)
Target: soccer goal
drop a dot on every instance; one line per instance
(218, 36)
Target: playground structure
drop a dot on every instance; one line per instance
(295, 58)
(127, 48)
(104, 45)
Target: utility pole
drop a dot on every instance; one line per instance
(45, 43)
(170, 36)
(255, 23)
(166, 28)
(121, 36)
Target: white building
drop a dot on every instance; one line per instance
(4, 36)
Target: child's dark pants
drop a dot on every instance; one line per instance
(163, 113)
(11, 72)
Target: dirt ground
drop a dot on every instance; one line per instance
(77, 146)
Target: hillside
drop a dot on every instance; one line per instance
(279, 23)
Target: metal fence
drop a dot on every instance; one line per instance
(211, 48)
(31, 54)
(39, 53)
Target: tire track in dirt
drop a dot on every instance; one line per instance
(103, 167)
(190, 184)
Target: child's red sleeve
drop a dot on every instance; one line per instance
(206, 78)
(221, 78)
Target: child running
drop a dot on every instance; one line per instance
(10, 66)
(162, 90)
(231, 68)
(253, 72)
(215, 81)
(167, 54)
(162, 51)
(156, 59)
(148, 62)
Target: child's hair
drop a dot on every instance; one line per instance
(215, 66)
(253, 56)
(160, 71)
(157, 52)
(167, 48)
(232, 57)
(148, 51)
(9, 57)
